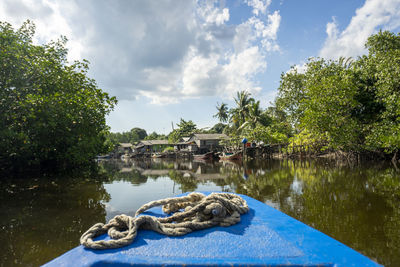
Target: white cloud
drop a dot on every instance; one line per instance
(223, 72)
(201, 75)
(208, 76)
(262, 28)
(259, 6)
(48, 18)
(158, 99)
(244, 36)
(211, 14)
(267, 31)
(374, 14)
(163, 50)
(242, 68)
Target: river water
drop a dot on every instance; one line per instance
(41, 218)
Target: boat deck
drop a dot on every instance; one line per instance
(265, 236)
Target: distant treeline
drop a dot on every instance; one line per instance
(132, 136)
(184, 129)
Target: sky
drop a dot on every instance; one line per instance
(170, 59)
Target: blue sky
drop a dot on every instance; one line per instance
(172, 59)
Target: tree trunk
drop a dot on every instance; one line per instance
(394, 160)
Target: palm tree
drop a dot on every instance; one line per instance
(255, 114)
(222, 112)
(243, 102)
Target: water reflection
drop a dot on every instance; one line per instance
(359, 205)
(42, 218)
(134, 183)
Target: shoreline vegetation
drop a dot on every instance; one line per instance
(347, 109)
(53, 114)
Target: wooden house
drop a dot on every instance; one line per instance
(182, 145)
(205, 142)
(150, 146)
(124, 148)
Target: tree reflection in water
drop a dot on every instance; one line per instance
(42, 218)
(359, 205)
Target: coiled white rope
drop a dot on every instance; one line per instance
(200, 212)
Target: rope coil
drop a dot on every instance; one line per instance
(199, 212)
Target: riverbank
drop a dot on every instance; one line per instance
(278, 151)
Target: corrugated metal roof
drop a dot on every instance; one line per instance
(158, 142)
(183, 140)
(125, 145)
(210, 136)
(152, 142)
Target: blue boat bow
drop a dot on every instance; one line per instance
(264, 237)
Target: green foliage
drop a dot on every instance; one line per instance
(277, 120)
(322, 101)
(132, 136)
(168, 149)
(351, 105)
(187, 184)
(266, 134)
(141, 133)
(243, 102)
(51, 113)
(254, 116)
(291, 93)
(383, 61)
(124, 137)
(234, 140)
(312, 142)
(185, 128)
(156, 136)
(218, 128)
(330, 102)
(345, 104)
(222, 112)
(248, 119)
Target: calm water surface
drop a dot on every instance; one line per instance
(359, 205)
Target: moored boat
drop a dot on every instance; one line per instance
(125, 157)
(231, 155)
(205, 156)
(103, 157)
(264, 236)
(158, 155)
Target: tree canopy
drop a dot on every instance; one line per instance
(185, 128)
(222, 112)
(345, 104)
(133, 136)
(349, 104)
(52, 113)
(156, 136)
